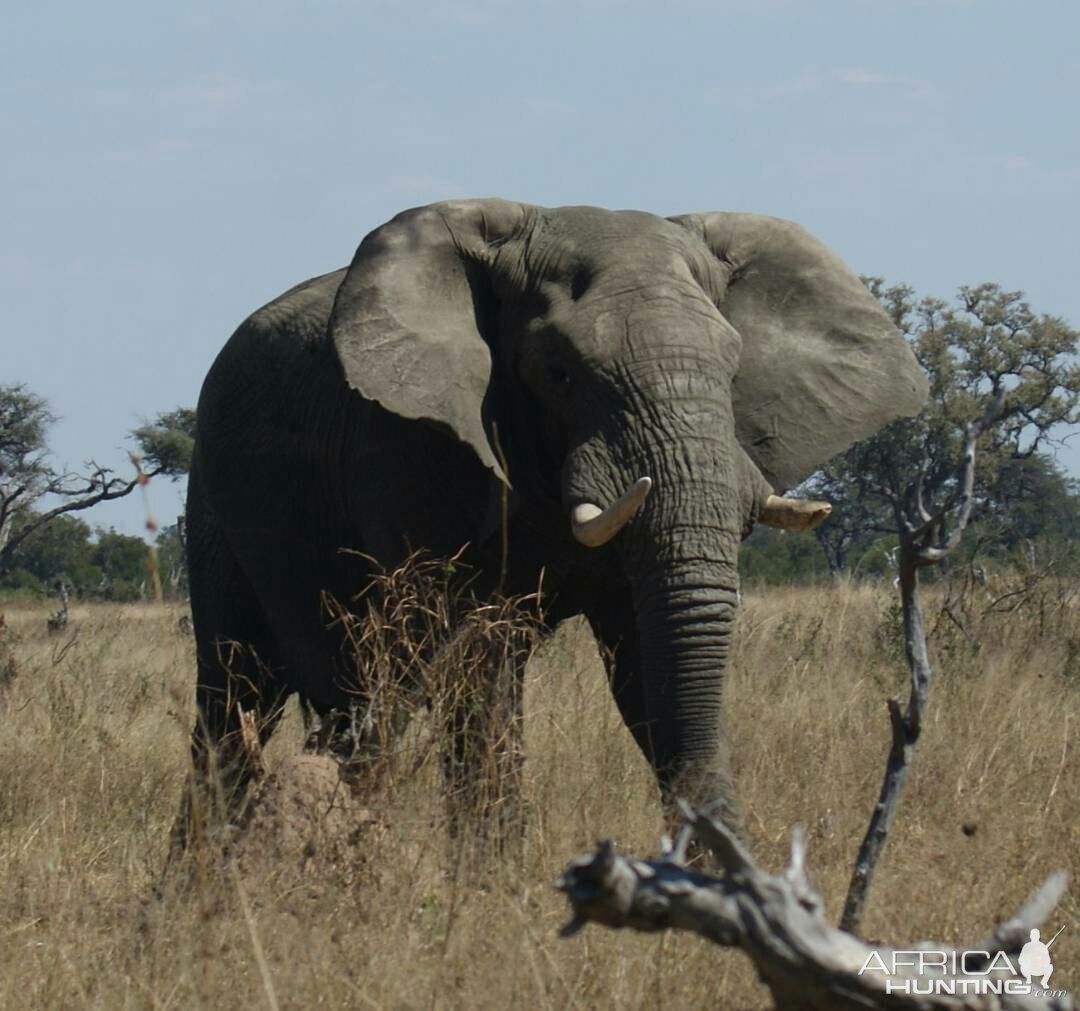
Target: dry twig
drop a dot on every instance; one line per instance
(923, 542)
(779, 922)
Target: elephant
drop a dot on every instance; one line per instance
(615, 397)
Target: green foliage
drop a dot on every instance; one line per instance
(989, 348)
(1033, 499)
(21, 585)
(24, 420)
(167, 442)
(59, 551)
(26, 476)
(172, 564)
(124, 564)
(1037, 526)
(774, 557)
(102, 563)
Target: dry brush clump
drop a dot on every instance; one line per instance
(416, 643)
(94, 754)
(9, 666)
(419, 650)
(1029, 608)
(430, 677)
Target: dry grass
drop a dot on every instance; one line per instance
(93, 755)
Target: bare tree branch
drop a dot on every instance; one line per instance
(921, 544)
(99, 486)
(779, 922)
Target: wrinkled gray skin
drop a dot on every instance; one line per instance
(723, 355)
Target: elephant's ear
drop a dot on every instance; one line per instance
(822, 365)
(408, 318)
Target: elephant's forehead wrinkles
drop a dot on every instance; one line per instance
(658, 318)
(629, 234)
(636, 248)
(651, 286)
(548, 261)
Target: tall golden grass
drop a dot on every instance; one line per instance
(94, 752)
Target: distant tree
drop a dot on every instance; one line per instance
(124, 564)
(99, 563)
(171, 561)
(776, 557)
(27, 476)
(168, 442)
(24, 420)
(987, 356)
(1033, 498)
(58, 551)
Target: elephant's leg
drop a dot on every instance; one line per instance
(237, 672)
(232, 683)
(613, 624)
(361, 734)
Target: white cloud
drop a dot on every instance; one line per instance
(820, 81)
(861, 76)
(210, 96)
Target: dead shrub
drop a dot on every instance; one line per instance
(9, 666)
(416, 641)
(433, 677)
(976, 616)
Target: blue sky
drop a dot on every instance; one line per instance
(167, 169)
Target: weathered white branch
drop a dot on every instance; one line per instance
(779, 922)
(922, 543)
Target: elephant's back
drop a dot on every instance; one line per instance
(270, 400)
(300, 314)
(274, 354)
(271, 447)
(278, 348)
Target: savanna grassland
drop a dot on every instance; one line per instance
(94, 748)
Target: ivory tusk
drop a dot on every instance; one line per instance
(793, 513)
(594, 526)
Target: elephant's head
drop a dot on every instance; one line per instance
(653, 380)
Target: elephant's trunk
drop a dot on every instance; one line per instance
(674, 422)
(685, 604)
(680, 553)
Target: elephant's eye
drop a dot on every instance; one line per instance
(558, 377)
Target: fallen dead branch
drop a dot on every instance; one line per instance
(780, 923)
